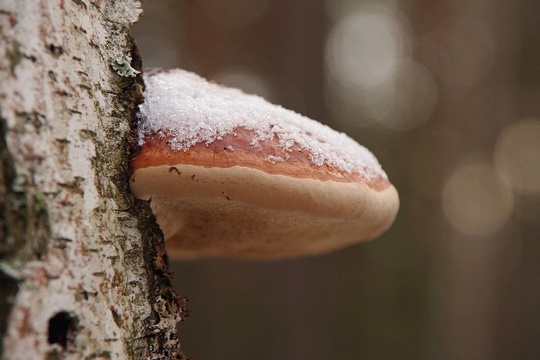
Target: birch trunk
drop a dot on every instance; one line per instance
(81, 263)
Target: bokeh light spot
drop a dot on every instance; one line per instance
(370, 73)
(364, 47)
(476, 200)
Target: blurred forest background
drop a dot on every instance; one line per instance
(447, 95)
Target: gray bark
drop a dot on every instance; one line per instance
(82, 273)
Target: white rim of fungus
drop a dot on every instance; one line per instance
(189, 109)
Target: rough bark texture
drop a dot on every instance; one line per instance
(82, 274)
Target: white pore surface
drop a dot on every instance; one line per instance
(192, 110)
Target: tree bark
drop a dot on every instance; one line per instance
(82, 273)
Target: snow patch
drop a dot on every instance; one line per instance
(192, 110)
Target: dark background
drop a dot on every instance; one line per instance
(447, 95)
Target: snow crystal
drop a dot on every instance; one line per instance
(192, 110)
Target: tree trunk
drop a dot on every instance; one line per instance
(82, 273)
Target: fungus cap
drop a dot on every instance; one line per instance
(231, 175)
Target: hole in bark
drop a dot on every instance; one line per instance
(62, 329)
(56, 50)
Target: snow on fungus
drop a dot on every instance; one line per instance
(231, 175)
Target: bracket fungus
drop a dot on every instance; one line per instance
(231, 175)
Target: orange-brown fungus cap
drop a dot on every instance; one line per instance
(230, 175)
